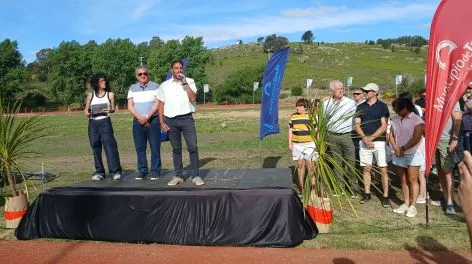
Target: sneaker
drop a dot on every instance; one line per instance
(97, 177)
(401, 209)
(154, 177)
(198, 181)
(384, 202)
(141, 176)
(420, 200)
(365, 198)
(117, 177)
(437, 202)
(411, 212)
(175, 180)
(450, 209)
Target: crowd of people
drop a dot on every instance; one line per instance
(156, 109)
(364, 133)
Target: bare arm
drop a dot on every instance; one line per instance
(416, 138)
(164, 126)
(141, 119)
(456, 127)
(87, 105)
(189, 87)
(290, 143)
(112, 103)
(381, 130)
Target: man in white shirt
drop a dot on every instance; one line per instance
(340, 111)
(177, 98)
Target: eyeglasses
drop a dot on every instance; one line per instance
(142, 73)
(356, 93)
(371, 91)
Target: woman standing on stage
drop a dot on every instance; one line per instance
(98, 106)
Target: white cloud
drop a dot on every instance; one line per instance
(287, 22)
(143, 7)
(309, 12)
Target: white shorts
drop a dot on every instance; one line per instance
(366, 155)
(304, 151)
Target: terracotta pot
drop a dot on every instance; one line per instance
(320, 211)
(15, 208)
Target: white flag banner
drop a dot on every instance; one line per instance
(349, 81)
(256, 85)
(206, 88)
(309, 82)
(398, 79)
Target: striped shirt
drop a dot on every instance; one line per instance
(144, 97)
(300, 129)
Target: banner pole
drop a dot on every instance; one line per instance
(427, 201)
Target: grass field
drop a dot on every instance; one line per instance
(235, 144)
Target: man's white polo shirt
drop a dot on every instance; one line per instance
(176, 100)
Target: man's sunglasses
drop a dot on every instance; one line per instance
(142, 73)
(357, 93)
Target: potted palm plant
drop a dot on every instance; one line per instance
(322, 184)
(16, 136)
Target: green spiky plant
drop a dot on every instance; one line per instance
(321, 178)
(17, 133)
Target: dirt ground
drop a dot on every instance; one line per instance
(90, 252)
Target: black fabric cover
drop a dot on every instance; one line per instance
(186, 216)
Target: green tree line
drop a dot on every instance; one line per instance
(61, 74)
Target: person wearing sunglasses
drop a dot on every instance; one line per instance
(358, 96)
(371, 125)
(143, 105)
(177, 97)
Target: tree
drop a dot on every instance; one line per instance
(191, 48)
(260, 40)
(273, 43)
(238, 86)
(71, 68)
(307, 37)
(12, 69)
(156, 42)
(118, 59)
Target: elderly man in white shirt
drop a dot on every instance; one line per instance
(177, 98)
(341, 110)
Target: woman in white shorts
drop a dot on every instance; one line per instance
(405, 137)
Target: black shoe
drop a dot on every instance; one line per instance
(154, 177)
(141, 176)
(365, 198)
(384, 201)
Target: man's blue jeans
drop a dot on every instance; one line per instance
(151, 134)
(183, 125)
(101, 133)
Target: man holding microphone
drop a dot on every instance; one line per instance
(177, 97)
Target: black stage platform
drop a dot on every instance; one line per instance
(253, 207)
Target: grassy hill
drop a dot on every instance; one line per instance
(324, 62)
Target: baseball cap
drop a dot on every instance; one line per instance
(371, 86)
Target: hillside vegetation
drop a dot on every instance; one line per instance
(324, 62)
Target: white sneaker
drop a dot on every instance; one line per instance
(117, 177)
(198, 181)
(420, 200)
(411, 212)
(401, 209)
(97, 177)
(175, 180)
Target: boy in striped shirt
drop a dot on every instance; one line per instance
(299, 140)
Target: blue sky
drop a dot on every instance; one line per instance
(39, 24)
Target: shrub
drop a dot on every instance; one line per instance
(296, 91)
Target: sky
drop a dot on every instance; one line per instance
(39, 24)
